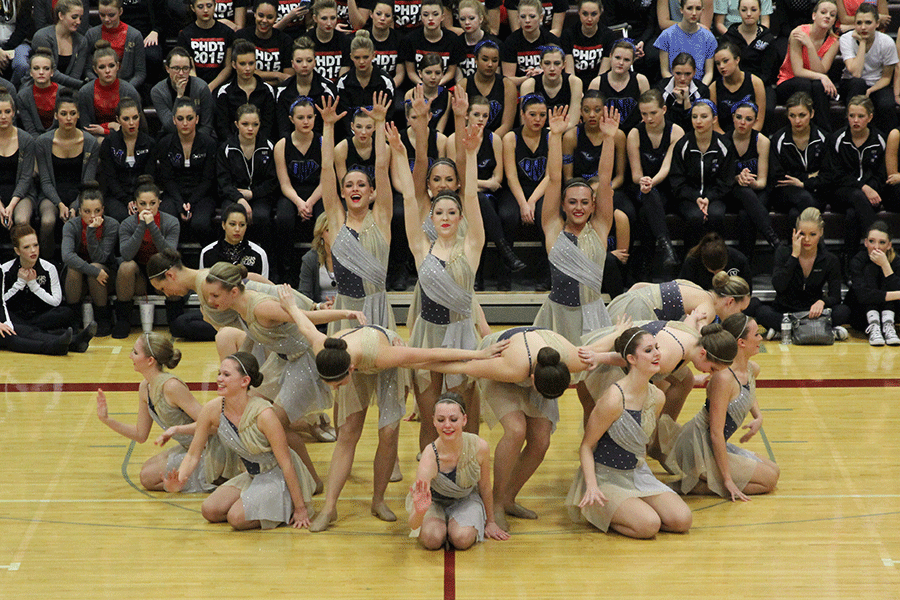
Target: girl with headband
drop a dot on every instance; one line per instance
(702, 173)
(307, 82)
(276, 487)
(620, 86)
(614, 488)
(365, 365)
(699, 451)
(750, 196)
(473, 19)
(451, 500)
(167, 401)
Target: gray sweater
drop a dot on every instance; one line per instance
(43, 152)
(28, 113)
(73, 76)
(100, 251)
(85, 99)
(132, 229)
(133, 67)
(25, 168)
(163, 101)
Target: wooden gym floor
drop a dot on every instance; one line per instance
(76, 524)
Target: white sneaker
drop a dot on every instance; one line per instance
(840, 333)
(770, 334)
(890, 334)
(875, 337)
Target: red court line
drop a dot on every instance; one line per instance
(211, 386)
(449, 573)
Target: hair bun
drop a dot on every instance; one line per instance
(547, 356)
(335, 344)
(711, 329)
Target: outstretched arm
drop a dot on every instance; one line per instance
(174, 480)
(550, 218)
(383, 208)
(603, 213)
(137, 432)
(271, 427)
(306, 327)
(330, 196)
(412, 216)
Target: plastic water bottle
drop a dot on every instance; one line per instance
(786, 329)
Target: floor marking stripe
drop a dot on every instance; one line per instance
(142, 490)
(765, 439)
(449, 573)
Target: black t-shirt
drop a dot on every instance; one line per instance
(468, 64)
(273, 54)
(387, 53)
(551, 7)
(225, 8)
(587, 52)
(329, 55)
(639, 15)
(449, 47)
(526, 55)
(283, 7)
(208, 47)
(407, 13)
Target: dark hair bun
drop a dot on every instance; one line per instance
(335, 344)
(711, 329)
(551, 376)
(256, 379)
(547, 356)
(145, 179)
(176, 358)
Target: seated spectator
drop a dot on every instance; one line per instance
(125, 155)
(141, 235)
(16, 168)
(875, 287)
(848, 9)
(359, 85)
(65, 156)
(755, 41)
(306, 82)
(386, 41)
(330, 46)
(728, 13)
(357, 152)
(16, 28)
(734, 87)
(186, 162)
(232, 13)
(181, 84)
(209, 40)
(149, 18)
(870, 58)
(431, 72)
(798, 152)
(127, 42)
(272, 46)
(589, 45)
(553, 15)
(37, 99)
(98, 100)
(473, 20)
(244, 87)
(317, 280)
(620, 87)
(88, 251)
(640, 26)
(681, 90)
(811, 51)
(432, 37)
(688, 36)
(668, 13)
(556, 86)
(520, 52)
(488, 82)
(801, 272)
(67, 45)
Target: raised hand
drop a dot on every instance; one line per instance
(558, 121)
(286, 297)
(753, 426)
(102, 409)
(472, 138)
(420, 104)
(380, 104)
(609, 125)
(459, 101)
(328, 110)
(393, 137)
(421, 491)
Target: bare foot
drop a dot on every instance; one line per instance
(320, 487)
(322, 521)
(520, 512)
(397, 475)
(382, 512)
(500, 519)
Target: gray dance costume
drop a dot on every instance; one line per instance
(369, 383)
(622, 472)
(661, 301)
(215, 462)
(455, 495)
(264, 491)
(689, 449)
(445, 295)
(290, 376)
(574, 306)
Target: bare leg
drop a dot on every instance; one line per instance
(385, 459)
(674, 514)
(537, 441)
(228, 341)
(461, 537)
(339, 469)
(153, 471)
(506, 455)
(636, 519)
(46, 233)
(237, 518)
(587, 401)
(425, 400)
(74, 286)
(126, 281)
(764, 479)
(433, 534)
(216, 506)
(472, 400)
(99, 292)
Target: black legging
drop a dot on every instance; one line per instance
(748, 203)
(500, 214)
(793, 200)
(696, 224)
(813, 87)
(31, 340)
(653, 212)
(290, 228)
(770, 315)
